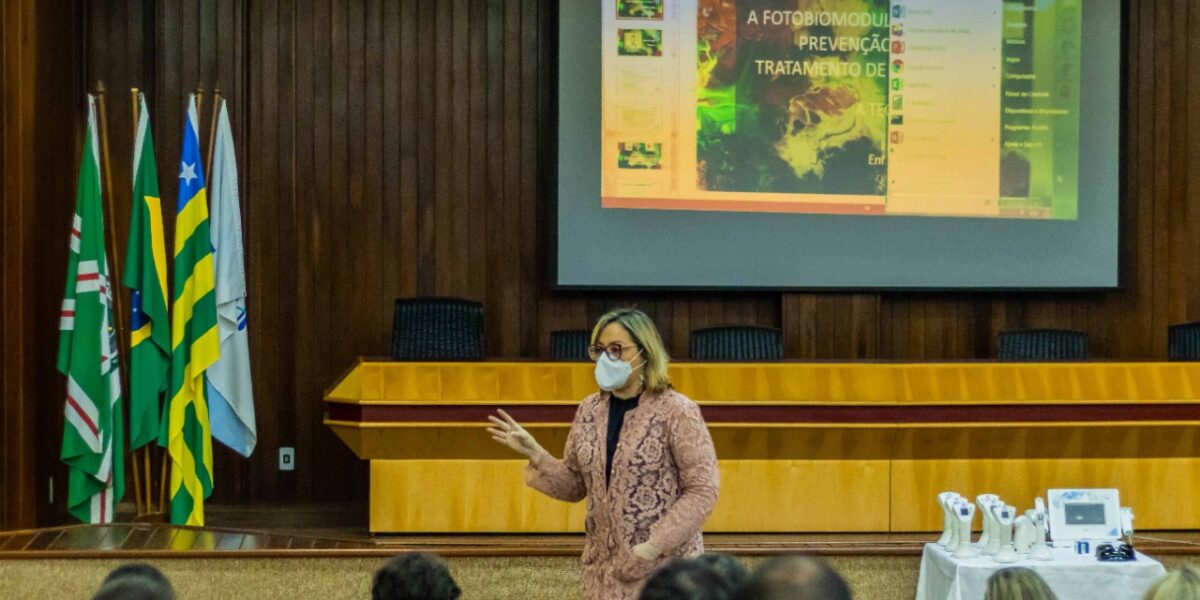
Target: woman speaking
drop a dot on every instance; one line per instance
(638, 451)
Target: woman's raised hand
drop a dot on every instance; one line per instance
(511, 434)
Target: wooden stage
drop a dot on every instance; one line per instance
(156, 540)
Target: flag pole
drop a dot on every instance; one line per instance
(149, 477)
(133, 97)
(199, 119)
(199, 108)
(115, 274)
(162, 495)
(114, 280)
(137, 478)
(212, 132)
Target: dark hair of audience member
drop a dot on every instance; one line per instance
(139, 570)
(686, 579)
(414, 576)
(794, 578)
(725, 565)
(134, 587)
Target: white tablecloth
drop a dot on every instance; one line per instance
(1071, 576)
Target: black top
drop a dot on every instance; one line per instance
(617, 407)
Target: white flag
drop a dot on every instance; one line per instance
(230, 393)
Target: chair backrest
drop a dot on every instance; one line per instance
(737, 343)
(437, 329)
(1183, 341)
(570, 344)
(1043, 344)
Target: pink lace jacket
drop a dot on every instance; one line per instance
(664, 485)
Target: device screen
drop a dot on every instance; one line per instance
(1085, 514)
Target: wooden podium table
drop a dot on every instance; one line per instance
(803, 447)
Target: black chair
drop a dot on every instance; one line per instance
(1183, 341)
(1043, 344)
(437, 329)
(570, 344)
(743, 343)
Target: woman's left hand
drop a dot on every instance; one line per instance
(646, 551)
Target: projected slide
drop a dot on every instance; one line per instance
(968, 108)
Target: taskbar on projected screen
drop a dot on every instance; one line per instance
(1009, 208)
(746, 206)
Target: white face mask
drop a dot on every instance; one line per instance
(611, 374)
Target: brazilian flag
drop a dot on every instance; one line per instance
(146, 277)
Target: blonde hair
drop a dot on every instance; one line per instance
(645, 335)
(1181, 584)
(1017, 583)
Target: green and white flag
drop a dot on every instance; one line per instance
(87, 354)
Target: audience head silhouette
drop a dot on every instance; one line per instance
(795, 578)
(726, 566)
(135, 581)
(414, 576)
(685, 579)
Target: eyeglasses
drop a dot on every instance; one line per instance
(614, 350)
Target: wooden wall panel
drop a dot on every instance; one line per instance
(18, 480)
(41, 114)
(396, 148)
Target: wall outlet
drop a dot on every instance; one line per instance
(287, 459)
